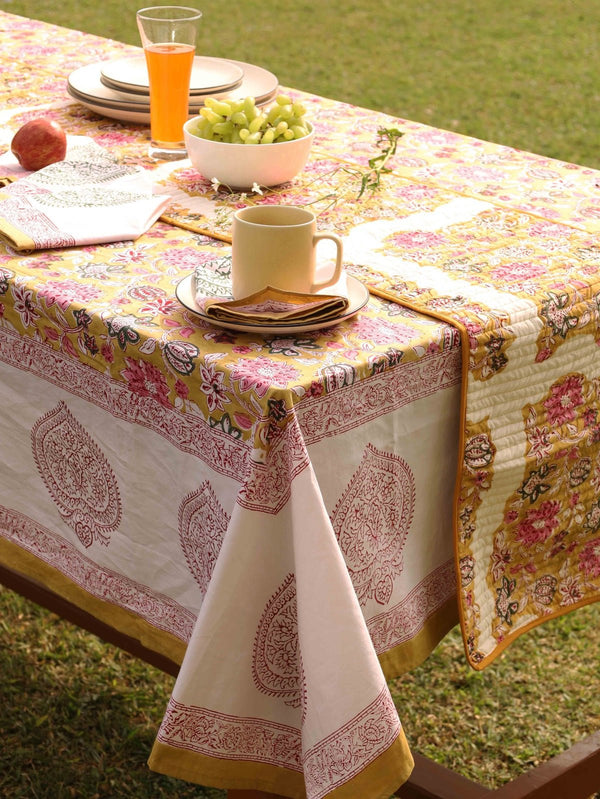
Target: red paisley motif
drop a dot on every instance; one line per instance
(202, 525)
(276, 663)
(77, 475)
(371, 522)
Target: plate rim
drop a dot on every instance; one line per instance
(298, 327)
(122, 89)
(119, 85)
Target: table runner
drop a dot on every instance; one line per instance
(517, 273)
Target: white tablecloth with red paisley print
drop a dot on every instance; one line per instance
(277, 512)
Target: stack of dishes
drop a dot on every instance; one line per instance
(119, 89)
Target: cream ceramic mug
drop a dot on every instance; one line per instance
(275, 245)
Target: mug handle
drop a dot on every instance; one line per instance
(338, 261)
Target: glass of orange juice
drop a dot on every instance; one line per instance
(168, 36)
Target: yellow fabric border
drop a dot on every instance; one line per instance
(15, 237)
(202, 230)
(383, 775)
(124, 621)
(410, 654)
(220, 773)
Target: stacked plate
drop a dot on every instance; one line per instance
(119, 89)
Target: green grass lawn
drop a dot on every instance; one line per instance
(79, 717)
(520, 72)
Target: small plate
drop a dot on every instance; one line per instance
(357, 292)
(209, 75)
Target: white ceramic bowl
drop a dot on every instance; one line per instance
(241, 165)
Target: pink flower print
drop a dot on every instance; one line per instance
(65, 291)
(316, 389)
(518, 272)
(414, 192)
(212, 387)
(146, 292)
(564, 398)
(382, 331)
(181, 389)
(589, 559)
(186, 257)
(107, 353)
(131, 255)
(539, 523)
(570, 591)
(161, 305)
(114, 137)
(479, 174)
(499, 561)
(543, 355)
(146, 380)
(24, 306)
(259, 374)
(418, 240)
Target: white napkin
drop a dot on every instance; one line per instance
(89, 198)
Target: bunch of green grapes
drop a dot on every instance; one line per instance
(241, 122)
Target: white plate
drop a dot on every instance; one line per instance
(358, 296)
(85, 86)
(209, 75)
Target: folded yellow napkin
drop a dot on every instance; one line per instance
(271, 306)
(89, 198)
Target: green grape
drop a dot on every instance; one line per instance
(299, 131)
(224, 128)
(286, 111)
(211, 115)
(241, 122)
(256, 124)
(299, 108)
(249, 107)
(222, 108)
(273, 113)
(240, 119)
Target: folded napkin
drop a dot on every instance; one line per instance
(211, 289)
(89, 198)
(271, 306)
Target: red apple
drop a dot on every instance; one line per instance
(38, 143)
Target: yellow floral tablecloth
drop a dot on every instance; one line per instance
(277, 512)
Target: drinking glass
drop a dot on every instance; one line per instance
(168, 36)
